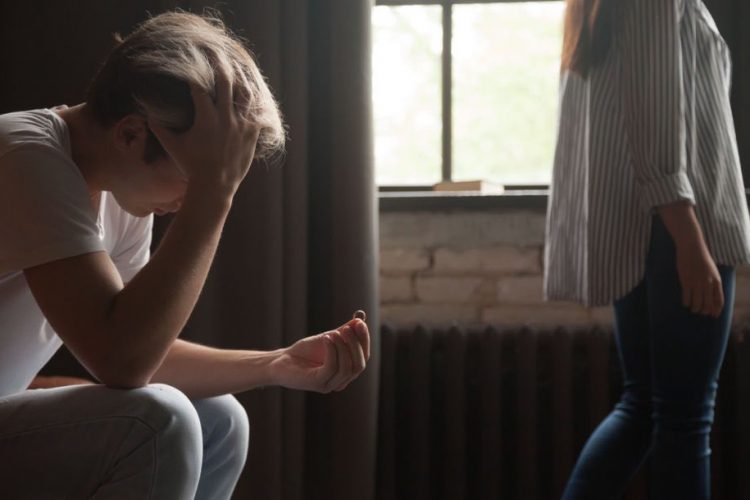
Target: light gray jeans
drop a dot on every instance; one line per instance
(92, 442)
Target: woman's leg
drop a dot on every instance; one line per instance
(687, 353)
(226, 433)
(619, 445)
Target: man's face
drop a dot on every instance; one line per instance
(157, 187)
(144, 187)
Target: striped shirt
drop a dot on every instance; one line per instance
(650, 126)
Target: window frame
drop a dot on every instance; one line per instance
(446, 71)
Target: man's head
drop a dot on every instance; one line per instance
(150, 71)
(148, 75)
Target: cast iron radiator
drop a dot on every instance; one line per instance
(502, 413)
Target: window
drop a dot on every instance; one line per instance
(465, 90)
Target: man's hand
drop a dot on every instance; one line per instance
(219, 147)
(325, 362)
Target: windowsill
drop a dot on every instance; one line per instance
(415, 201)
(410, 201)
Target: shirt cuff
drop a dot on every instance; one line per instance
(666, 190)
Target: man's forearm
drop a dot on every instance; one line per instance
(48, 382)
(202, 372)
(151, 310)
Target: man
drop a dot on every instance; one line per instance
(171, 123)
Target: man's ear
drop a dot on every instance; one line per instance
(130, 134)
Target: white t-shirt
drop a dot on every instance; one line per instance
(46, 215)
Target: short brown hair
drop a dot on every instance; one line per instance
(149, 72)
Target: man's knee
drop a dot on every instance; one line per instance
(226, 428)
(171, 416)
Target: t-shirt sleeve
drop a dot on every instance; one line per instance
(45, 209)
(133, 249)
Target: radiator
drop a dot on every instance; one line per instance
(502, 413)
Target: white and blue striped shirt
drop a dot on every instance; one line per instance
(649, 126)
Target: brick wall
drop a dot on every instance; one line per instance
(479, 267)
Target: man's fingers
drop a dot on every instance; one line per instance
(224, 98)
(331, 366)
(202, 102)
(362, 333)
(355, 351)
(343, 363)
(356, 356)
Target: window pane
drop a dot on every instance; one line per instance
(407, 48)
(506, 60)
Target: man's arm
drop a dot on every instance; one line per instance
(322, 363)
(122, 333)
(48, 382)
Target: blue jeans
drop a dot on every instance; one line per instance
(92, 442)
(670, 359)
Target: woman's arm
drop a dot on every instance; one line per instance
(653, 99)
(699, 277)
(652, 93)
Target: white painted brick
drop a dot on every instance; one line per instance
(404, 259)
(541, 315)
(520, 290)
(429, 314)
(462, 229)
(447, 290)
(396, 289)
(500, 259)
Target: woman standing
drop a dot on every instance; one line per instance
(648, 211)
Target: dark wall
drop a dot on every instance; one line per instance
(731, 18)
(48, 54)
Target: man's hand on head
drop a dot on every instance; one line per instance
(219, 147)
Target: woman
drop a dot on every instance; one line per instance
(648, 211)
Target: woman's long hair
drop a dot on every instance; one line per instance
(587, 34)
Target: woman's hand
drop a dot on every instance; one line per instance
(325, 362)
(219, 147)
(699, 277)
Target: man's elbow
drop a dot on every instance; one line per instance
(124, 376)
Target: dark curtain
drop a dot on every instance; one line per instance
(299, 250)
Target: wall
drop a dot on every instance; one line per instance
(478, 267)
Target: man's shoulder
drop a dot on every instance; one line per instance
(31, 129)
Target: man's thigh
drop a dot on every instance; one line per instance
(70, 442)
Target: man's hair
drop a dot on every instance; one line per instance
(149, 72)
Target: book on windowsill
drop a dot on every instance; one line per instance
(478, 186)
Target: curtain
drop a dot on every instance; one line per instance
(299, 250)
